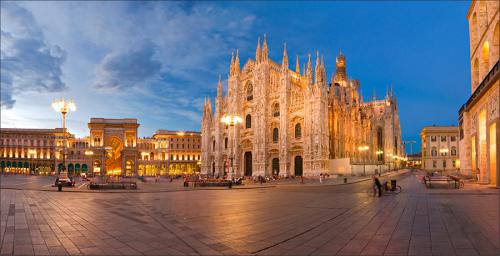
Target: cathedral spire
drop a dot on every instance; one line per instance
(323, 72)
(237, 63)
(209, 105)
(317, 69)
(387, 92)
(231, 66)
(264, 49)
(219, 89)
(374, 95)
(297, 65)
(257, 51)
(284, 63)
(309, 69)
(360, 96)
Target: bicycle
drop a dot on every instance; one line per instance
(386, 190)
(390, 189)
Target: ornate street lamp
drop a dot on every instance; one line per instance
(63, 106)
(379, 153)
(364, 148)
(231, 120)
(389, 156)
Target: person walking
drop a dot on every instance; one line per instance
(321, 178)
(478, 174)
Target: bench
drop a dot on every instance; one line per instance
(115, 185)
(428, 180)
(458, 181)
(219, 183)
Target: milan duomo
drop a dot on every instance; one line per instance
(293, 122)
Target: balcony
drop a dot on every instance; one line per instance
(481, 89)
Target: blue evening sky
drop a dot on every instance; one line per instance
(156, 61)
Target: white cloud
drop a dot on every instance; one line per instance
(162, 57)
(29, 63)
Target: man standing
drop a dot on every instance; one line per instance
(376, 182)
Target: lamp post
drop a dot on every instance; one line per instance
(444, 152)
(389, 156)
(379, 153)
(231, 120)
(89, 154)
(363, 148)
(63, 106)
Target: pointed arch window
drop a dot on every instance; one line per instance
(276, 110)
(275, 135)
(248, 121)
(249, 92)
(298, 131)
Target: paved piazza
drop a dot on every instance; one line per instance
(288, 220)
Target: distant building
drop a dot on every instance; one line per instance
(478, 117)
(112, 148)
(25, 151)
(295, 121)
(440, 148)
(414, 160)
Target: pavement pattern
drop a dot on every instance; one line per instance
(281, 220)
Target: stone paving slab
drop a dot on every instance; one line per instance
(282, 220)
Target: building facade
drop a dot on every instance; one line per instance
(440, 151)
(112, 148)
(478, 117)
(294, 121)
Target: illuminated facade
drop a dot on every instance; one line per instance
(440, 148)
(26, 151)
(292, 124)
(478, 117)
(112, 148)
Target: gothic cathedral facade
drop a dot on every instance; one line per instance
(293, 122)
